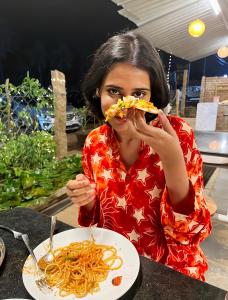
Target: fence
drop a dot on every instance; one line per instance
(19, 115)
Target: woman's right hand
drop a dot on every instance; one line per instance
(81, 191)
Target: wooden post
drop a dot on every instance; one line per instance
(59, 89)
(216, 86)
(184, 88)
(177, 102)
(8, 109)
(202, 88)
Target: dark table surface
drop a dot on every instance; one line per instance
(155, 281)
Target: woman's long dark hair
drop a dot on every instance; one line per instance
(127, 47)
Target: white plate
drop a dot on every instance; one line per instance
(2, 251)
(125, 248)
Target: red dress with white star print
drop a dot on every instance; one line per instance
(135, 202)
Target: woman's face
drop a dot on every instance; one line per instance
(123, 80)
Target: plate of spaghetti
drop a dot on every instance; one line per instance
(89, 263)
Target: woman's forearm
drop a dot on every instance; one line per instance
(176, 178)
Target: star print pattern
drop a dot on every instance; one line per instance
(155, 192)
(142, 175)
(107, 174)
(133, 236)
(159, 165)
(135, 202)
(122, 175)
(96, 159)
(102, 138)
(138, 214)
(185, 127)
(109, 152)
(87, 142)
(121, 202)
(150, 152)
(188, 155)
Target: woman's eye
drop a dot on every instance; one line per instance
(139, 94)
(114, 92)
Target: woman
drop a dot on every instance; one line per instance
(141, 180)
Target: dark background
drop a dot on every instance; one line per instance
(43, 35)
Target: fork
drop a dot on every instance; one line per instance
(41, 281)
(17, 235)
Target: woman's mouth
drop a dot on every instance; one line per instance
(120, 120)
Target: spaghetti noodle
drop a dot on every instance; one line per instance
(80, 267)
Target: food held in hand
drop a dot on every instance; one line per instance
(120, 108)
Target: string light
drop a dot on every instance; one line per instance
(169, 67)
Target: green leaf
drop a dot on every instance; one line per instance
(27, 182)
(17, 171)
(39, 191)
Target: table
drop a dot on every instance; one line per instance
(213, 146)
(214, 150)
(155, 281)
(213, 143)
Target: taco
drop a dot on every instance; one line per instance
(120, 108)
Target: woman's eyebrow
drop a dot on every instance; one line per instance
(141, 89)
(113, 86)
(120, 88)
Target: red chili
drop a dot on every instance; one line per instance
(117, 280)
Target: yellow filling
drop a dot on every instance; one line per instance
(120, 108)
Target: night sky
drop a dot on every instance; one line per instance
(209, 66)
(42, 35)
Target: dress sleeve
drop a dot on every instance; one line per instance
(85, 217)
(184, 232)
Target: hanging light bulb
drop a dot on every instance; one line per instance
(196, 28)
(222, 52)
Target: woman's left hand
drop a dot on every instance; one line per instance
(163, 141)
